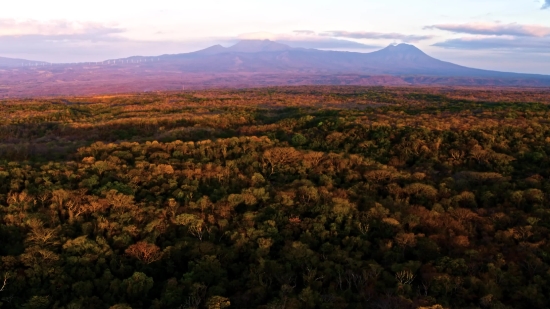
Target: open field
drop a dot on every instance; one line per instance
(282, 197)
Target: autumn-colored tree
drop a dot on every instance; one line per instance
(277, 157)
(145, 252)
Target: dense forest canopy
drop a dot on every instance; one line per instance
(297, 197)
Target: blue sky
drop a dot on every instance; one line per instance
(508, 35)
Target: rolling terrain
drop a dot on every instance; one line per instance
(248, 64)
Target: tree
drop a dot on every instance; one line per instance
(37, 302)
(276, 157)
(145, 252)
(120, 306)
(41, 235)
(195, 225)
(217, 302)
(299, 140)
(138, 285)
(405, 240)
(4, 281)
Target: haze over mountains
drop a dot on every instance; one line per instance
(248, 64)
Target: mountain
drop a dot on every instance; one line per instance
(250, 63)
(212, 50)
(247, 46)
(11, 62)
(407, 59)
(268, 56)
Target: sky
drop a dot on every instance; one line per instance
(504, 35)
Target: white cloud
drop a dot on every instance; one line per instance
(511, 44)
(376, 36)
(12, 27)
(495, 28)
(305, 39)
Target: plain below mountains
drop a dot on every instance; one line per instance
(248, 64)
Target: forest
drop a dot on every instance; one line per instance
(277, 198)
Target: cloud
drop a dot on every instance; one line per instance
(259, 36)
(517, 44)
(62, 40)
(376, 36)
(305, 39)
(327, 43)
(310, 32)
(63, 47)
(497, 36)
(497, 29)
(66, 41)
(330, 39)
(546, 4)
(56, 28)
(41, 49)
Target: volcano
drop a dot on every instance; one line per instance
(249, 63)
(272, 57)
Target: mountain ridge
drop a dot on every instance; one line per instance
(395, 59)
(253, 64)
(15, 62)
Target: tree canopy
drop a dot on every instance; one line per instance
(305, 197)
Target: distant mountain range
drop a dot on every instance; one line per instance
(268, 56)
(12, 63)
(247, 64)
